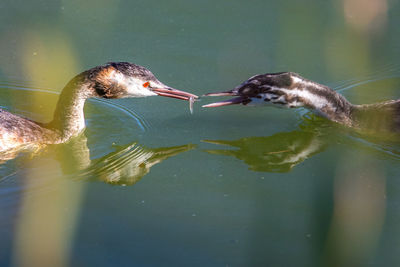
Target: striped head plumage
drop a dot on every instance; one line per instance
(283, 89)
(288, 90)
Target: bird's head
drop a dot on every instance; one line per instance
(123, 79)
(277, 89)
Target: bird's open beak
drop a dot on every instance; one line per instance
(174, 93)
(233, 101)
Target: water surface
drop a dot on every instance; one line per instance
(150, 184)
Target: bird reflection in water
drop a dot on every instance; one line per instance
(282, 151)
(128, 164)
(125, 166)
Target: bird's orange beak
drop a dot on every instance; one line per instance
(174, 93)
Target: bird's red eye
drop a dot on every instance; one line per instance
(146, 84)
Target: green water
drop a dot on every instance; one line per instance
(149, 184)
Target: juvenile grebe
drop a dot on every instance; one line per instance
(113, 80)
(290, 90)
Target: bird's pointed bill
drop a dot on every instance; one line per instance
(227, 93)
(233, 101)
(174, 93)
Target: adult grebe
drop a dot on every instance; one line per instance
(113, 80)
(290, 90)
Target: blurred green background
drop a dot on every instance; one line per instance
(233, 186)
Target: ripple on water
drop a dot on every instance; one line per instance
(390, 72)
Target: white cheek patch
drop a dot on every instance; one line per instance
(134, 87)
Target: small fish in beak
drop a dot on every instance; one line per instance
(174, 93)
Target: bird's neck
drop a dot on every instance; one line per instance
(322, 100)
(382, 116)
(69, 119)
